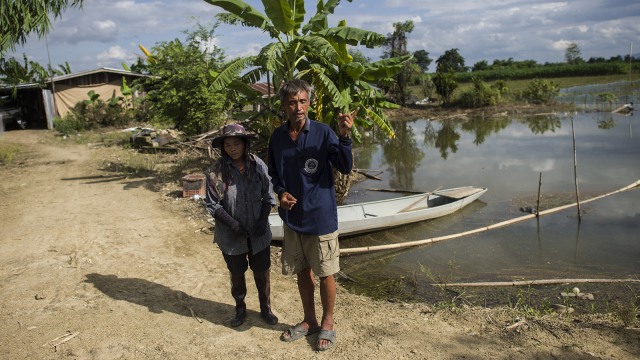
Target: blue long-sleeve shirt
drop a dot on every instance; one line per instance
(303, 168)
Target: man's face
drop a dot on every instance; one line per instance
(297, 106)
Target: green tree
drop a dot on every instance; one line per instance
(13, 73)
(422, 59)
(396, 45)
(314, 52)
(480, 65)
(451, 60)
(63, 69)
(573, 54)
(358, 56)
(181, 91)
(18, 19)
(445, 84)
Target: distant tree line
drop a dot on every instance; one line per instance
(526, 70)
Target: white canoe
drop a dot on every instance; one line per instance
(383, 214)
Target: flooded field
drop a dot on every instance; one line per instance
(509, 157)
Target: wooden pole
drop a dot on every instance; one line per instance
(396, 190)
(538, 202)
(365, 249)
(538, 282)
(575, 170)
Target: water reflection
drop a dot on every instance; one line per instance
(605, 121)
(482, 127)
(540, 124)
(507, 155)
(402, 155)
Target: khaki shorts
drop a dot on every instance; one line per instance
(300, 251)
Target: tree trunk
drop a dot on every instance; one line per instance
(342, 184)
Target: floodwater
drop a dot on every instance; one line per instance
(508, 156)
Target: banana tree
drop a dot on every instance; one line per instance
(314, 52)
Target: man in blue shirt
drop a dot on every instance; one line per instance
(302, 155)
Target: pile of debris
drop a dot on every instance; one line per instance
(172, 141)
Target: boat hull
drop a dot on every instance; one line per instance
(384, 214)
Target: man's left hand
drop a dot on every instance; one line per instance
(345, 122)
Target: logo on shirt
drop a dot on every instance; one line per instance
(311, 166)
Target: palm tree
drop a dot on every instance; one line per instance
(314, 52)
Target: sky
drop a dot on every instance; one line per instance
(106, 33)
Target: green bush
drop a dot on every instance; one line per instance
(541, 91)
(70, 124)
(480, 95)
(501, 87)
(94, 114)
(445, 85)
(427, 86)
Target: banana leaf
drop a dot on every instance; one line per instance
(353, 36)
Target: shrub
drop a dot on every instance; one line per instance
(480, 95)
(93, 114)
(445, 85)
(427, 86)
(70, 124)
(541, 91)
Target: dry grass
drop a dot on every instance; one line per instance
(8, 153)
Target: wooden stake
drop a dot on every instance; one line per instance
(538, 202)
(575, 170)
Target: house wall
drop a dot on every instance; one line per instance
(67, 96)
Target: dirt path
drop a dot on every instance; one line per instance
(126, 272)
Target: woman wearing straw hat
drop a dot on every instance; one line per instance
(240, 198)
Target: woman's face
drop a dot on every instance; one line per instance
(234, 147)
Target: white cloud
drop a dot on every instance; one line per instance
(115, 54)
(561, 44)
(107, 25)
(488, 30)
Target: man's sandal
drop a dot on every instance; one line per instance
(298, 332)
(330, 336)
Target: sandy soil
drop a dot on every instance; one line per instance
(95, 265)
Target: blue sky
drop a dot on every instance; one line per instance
(106, 33)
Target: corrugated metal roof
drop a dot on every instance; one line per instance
(75, 75)
(264, 88)
(95, 71)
